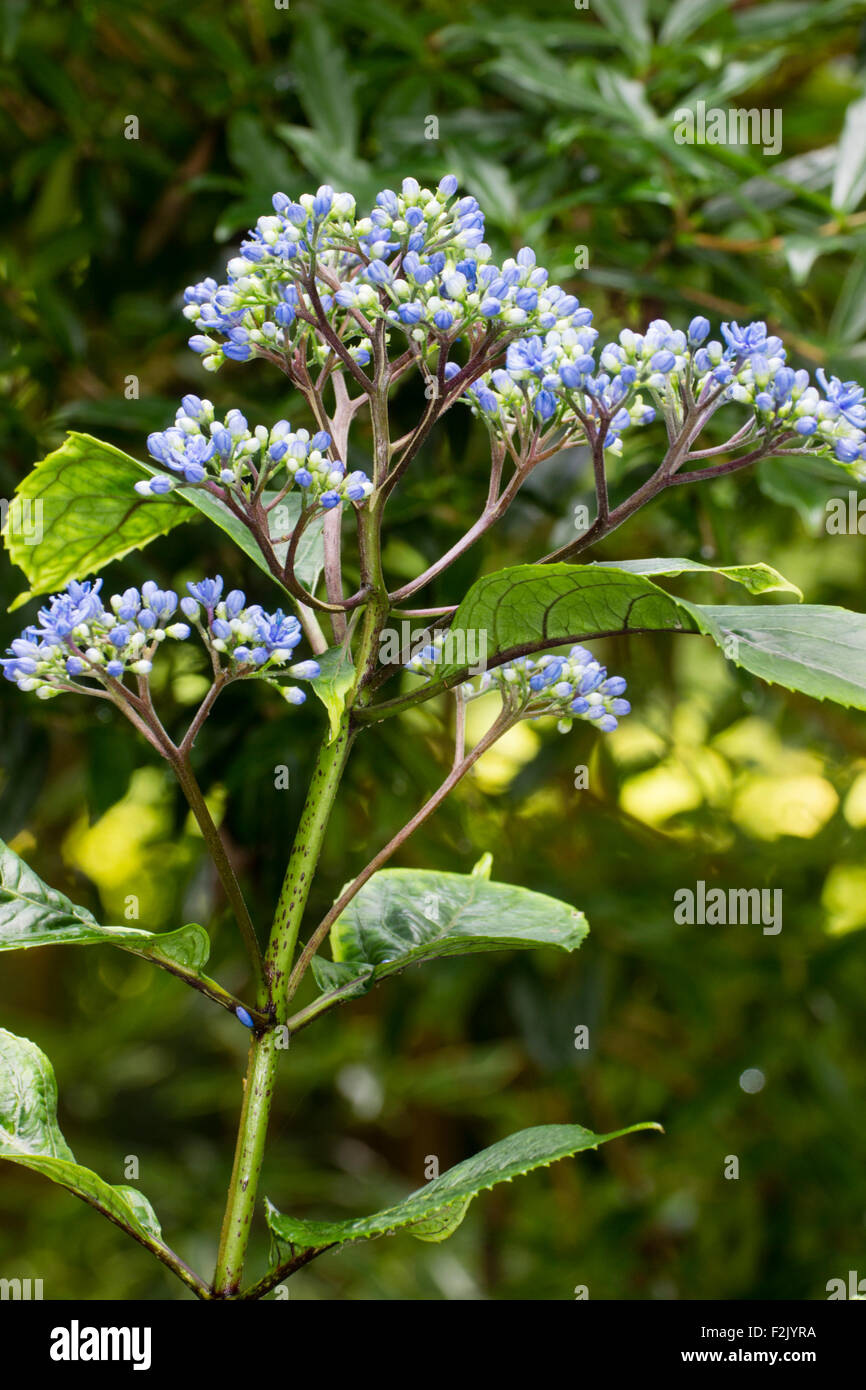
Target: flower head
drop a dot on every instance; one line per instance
(228, 457)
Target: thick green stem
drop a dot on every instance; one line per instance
(261, 1066)
(302, 864)
(298, 880)
(252, 1131)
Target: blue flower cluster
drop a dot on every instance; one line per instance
(832, 419)
(226, 455)
(78, 639)
(253, 642)
(419, 261)
(560, 378)
(568, 687)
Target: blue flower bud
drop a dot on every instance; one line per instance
(846, 450)
(698, 330)
(244, 1016)
(663, 361)
(207, 591)
(323, 200)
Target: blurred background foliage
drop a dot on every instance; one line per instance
(561, 121)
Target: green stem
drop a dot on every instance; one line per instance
(306, 849)
(253, 1128)
(302, 863)
(261, 1066)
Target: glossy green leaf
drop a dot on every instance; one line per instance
(404, 916)
(435, 1211)
(757, 578)
(91, 514)
(34, 914)
(31, 1137)
(812, 648)
(526, 607)
(818, 650)
(334, 683)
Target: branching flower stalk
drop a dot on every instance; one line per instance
(348, 308)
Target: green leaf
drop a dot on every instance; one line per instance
(332, 975)
(310, 555)
(404, 916)
(326, 85)
(90, 514)
(532, 606)
(334, 683)
(807, 485)
(628, 20)
(31, 1137)
(757, 578)
(435, 1211)
(34, 914)
(849, 180)
(817, 650)
(812, 648)
(683, 17)
(849, 316)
